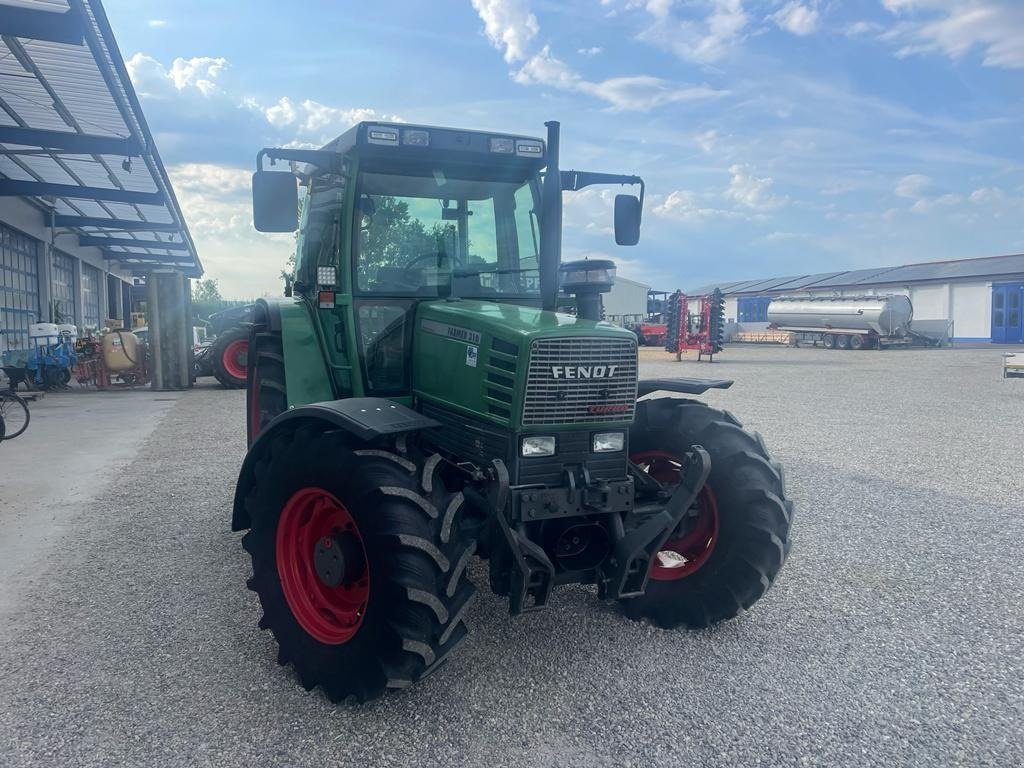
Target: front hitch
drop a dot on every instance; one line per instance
(629, 566)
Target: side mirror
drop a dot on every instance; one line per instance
(275, 201)
(627, 220)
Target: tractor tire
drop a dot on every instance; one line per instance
(396, 607)
(828, 341)
(229, 358)
(737, 537)
(266, 394)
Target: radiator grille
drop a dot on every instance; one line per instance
(552, 399)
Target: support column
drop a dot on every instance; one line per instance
(102, 290)
(79, 290)
(170, 337)
(46, 272)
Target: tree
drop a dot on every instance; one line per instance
(206, 290)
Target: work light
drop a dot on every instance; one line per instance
(538, 445)
(503, 145)
(327, 275)
(416, 138)
(608, 442)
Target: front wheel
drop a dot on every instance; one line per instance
(730, 547)
(359, 561)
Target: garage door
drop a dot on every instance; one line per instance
(19, 287)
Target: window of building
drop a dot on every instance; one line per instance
(753, 309)
(19, 287)
(62, 292)
(90, 296)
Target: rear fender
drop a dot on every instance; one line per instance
(365, 418)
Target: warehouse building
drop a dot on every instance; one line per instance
(968, 300)
(85, 202)
(626, 302)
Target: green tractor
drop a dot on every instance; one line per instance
(417, 400)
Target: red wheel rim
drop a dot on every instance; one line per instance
(236, 357)
(332, 615)
(698, 543)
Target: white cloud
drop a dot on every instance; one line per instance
(913, 186)
(659, 8)
(509, 26)
(751, 191)
(926, 204)
(706, 140)
(704, 41)
(156, 23)
(311, 119)
(592, 51)
(858, 28)
(997, 202)
(797, 18)
(637, 92)
(684, 205)
(957, 27)
(200, 74)
(217, 206)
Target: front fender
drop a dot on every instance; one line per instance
(365, 418)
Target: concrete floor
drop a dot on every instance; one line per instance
(77, 442)
(893, 637)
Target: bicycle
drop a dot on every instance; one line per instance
(14, 414)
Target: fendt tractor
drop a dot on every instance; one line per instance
(417, 399)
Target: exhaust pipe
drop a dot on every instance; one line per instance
(551, 223)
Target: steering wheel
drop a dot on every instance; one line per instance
(438, 255)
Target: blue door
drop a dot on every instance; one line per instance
(1008, 313)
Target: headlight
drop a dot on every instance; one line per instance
(607, 442)
(536, 445)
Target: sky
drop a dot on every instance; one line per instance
(776, 137)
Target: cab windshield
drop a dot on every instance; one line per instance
(434, 236)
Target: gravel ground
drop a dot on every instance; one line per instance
(894, 636)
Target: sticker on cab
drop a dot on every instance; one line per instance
(471, 354)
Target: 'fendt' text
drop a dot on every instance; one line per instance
(583, 371)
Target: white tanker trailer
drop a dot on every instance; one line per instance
(847, 322)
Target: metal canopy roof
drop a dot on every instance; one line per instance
(73, 137)
(988, 267)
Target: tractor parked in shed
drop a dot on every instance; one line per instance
(417, 401)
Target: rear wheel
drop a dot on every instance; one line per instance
(730, 547)
(857, 342)
(229, 358)
(359, 562)
(14, 413)
(828, 341)
(842, 342)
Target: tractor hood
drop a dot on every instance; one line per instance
(523, 367)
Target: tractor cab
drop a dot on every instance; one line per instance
(394, 215)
